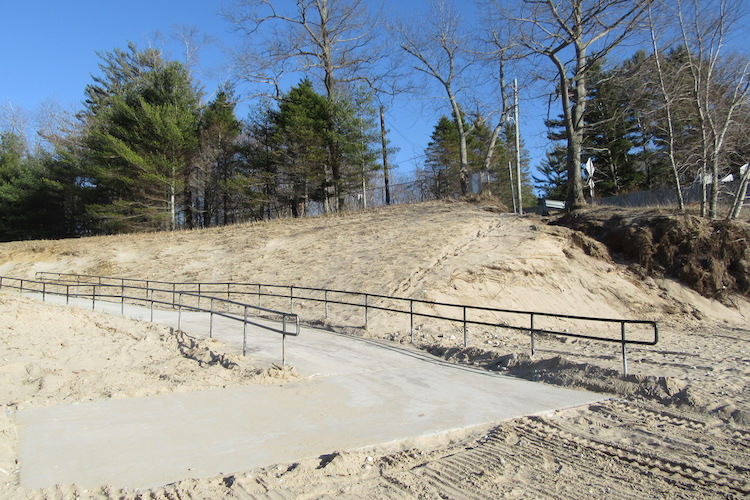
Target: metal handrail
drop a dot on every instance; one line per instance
(365, 301)
(103, 291)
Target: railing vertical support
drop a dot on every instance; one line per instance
(291, 299)
(260, 302)
(152, 304)
(44, 292)
(466, 331)
(411, 321)
(228, 292)
(122, 299)
(325, 301)
(367, 315)
(179, 312)
(624, 350)
(533, 349)
(67, 294)
(211, 320)
(199, 295)
(244, 334)
(20, 288)
(283, 341)
(173, 292)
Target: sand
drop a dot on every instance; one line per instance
(678, 428)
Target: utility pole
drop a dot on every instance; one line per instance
(384, 146)
(518, 147)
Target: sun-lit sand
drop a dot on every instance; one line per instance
(678, 428)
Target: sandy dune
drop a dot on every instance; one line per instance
(679, 429)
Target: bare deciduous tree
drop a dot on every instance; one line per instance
(573, 35)
(721, 85)
(337, 40)
(440, 48)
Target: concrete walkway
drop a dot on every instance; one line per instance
(356, 393)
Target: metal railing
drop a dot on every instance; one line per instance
(534, 323)
(165, 297)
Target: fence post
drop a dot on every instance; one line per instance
(152, 304)
(44, 291)
(291, 299)
(244, 334)
(466, 332)
(20, 288)
(179, 312)
(624, 351)
(67, 294)
(122, 298)
(211, 320)
(366, 311)
(260, 302)
(532, 334)
(283, 341)
(93, 297)
(199, 295)
(411, 321)
(325, 301)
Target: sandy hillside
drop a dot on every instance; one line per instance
(679, 427)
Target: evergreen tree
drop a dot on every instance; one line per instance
(301, 138)
(217, 178)
(32, 204)
(141, 142)
(553, 181)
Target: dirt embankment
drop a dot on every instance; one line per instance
(712, 257)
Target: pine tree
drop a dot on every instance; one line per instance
(141, 143)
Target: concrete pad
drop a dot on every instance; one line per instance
(357, 393)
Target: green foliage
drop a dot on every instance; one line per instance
(32, 200)
(442, 164)
(141, 142)
(553, 179)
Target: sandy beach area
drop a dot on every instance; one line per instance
(678, 425)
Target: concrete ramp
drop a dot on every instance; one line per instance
(356, 393)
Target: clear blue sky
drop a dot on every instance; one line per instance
(48, 53)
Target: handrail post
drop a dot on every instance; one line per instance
(67, 294)
(152, 304)
(20, 288)
(44, 291)
(325, 301)
(366, 311)
(211, 320)
(179, 312)
(291, 299)
(411, 321)
(199, 295)
(173, 292)
(260, 303)
(93, 297)
(466, 331)
(283, 340)
(122, 298)
(244, 334)
(228, 285)
(532, 334)
(624, 350)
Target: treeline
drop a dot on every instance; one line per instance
(146, 155)
(149, 151)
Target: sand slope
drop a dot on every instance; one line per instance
(680, 429)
